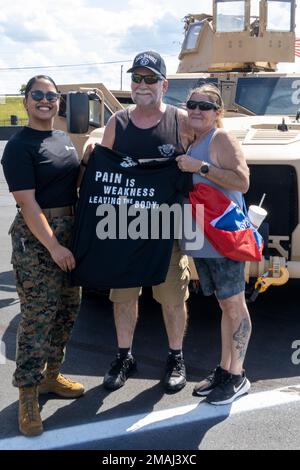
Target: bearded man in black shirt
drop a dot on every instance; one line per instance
(150, 129)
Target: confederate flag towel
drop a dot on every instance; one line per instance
(227, 228)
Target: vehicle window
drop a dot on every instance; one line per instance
(230, 16)
(269, 95)
(279, 16)
(95, 110)
(179, 88)
(190, 41)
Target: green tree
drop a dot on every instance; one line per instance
(22, 89)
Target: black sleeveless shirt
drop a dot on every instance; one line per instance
(162, 140)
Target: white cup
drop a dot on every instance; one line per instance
(257, 215)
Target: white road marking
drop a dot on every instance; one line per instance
(91, 432)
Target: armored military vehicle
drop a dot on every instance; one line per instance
(239, 51)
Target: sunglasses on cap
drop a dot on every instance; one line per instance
(148, 79)
(39, 95)
(202, 105)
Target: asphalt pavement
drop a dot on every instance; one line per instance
(141, 415)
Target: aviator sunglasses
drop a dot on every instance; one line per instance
(148, 79)
(202, 105)
(39, 95)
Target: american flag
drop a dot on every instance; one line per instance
(297, 47)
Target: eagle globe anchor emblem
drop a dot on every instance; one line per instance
(128, 162)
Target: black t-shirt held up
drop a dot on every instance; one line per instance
(46, 161)
(114, 244)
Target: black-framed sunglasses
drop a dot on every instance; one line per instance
(39, 95)
(202, 105)
(148, 79)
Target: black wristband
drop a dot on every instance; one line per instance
(83, 163)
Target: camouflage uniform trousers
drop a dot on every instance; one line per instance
(49, 305)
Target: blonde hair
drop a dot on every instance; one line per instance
(214, 96)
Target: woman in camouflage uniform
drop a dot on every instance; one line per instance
(41, 168)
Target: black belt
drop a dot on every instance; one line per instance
(59, 211)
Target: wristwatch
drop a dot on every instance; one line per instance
(204, 169)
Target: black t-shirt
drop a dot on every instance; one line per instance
(123, 259)
(46, 161)
(159, 141)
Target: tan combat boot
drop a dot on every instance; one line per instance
(57, 383)
(30, 423)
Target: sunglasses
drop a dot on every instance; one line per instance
(39, 95)
(148, 79)
(202, 105)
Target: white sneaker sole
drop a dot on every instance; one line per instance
(245, 388)
(202, 393)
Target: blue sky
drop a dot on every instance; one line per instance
(51, 33)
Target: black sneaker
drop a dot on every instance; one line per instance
(232, 387)
(206, 385)
(175, 375)
(121, 369)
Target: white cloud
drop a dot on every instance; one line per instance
(89, 31)
(27, 31)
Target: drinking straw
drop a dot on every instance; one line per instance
(262, 200)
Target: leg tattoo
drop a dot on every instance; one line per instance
(241, 337)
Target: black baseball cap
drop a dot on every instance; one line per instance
(150, 60)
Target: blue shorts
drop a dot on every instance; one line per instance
(221, 276)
